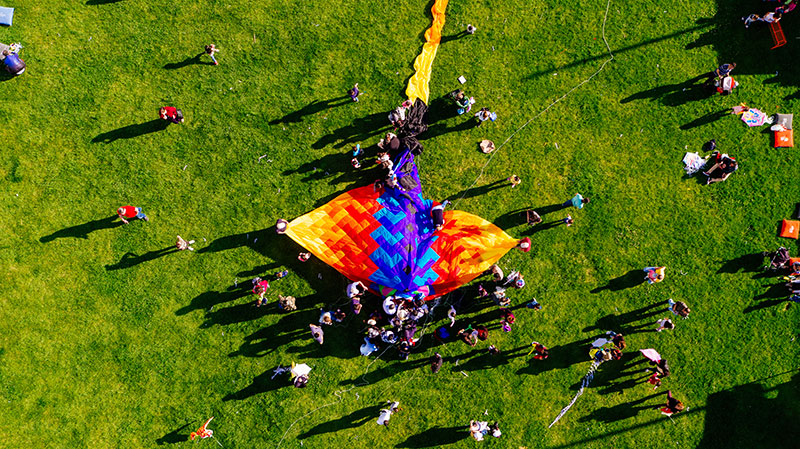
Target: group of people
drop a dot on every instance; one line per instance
(786, 6)
(464, 104)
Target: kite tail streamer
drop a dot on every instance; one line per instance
(584, 383)
(418, 84)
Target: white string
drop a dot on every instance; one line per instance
(558, 100)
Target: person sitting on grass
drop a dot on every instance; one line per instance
(12, 63)
(654, 274)
(723, 167)
(485, 114)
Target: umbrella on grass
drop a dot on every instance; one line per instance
(651, 354)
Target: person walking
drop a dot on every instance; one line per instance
(386, 413)
(183, 245)
(576, 201)
(127, 212)
(664, 323)
(354, 93)
(211, 49)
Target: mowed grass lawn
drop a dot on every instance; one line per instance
(106, 341)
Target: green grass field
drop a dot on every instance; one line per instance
(107, 342)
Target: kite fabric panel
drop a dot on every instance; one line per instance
(418, 84)
(385, 238)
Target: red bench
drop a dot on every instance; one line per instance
(777, 35)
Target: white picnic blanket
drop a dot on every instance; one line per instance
(694, 163)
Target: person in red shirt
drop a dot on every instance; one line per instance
(131, 212)
(171, 114)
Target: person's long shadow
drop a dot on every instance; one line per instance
(621, 411)
(130, 259)
(482, 190)
(102, 2)
(205, 301)
(267, 340)
(256, 240)
(489, 361)
(441, 128)
(435, 437)
(238, 313)
(453, 37)
(192, 60)
(766, 304)
(562, 356)
(82, 231)
(131, 131)
(312, 108)
(174, 437)
(385, 372)
(616, 322)
(747, 263)
(360, 130)
(627, 280)
(675, 94)
(260, 384)
(709, 118)
(543, 227)
(355, 419)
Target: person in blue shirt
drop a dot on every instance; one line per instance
(12, 63)
(576, 201)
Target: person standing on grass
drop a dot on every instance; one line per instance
(568, 220)
(514, 180)
(171, 114)
(203, 431)
(354, 93)
(317, 333)
(664, 323)
(386, 413)
(183, 245)
(673, 405)
(210, 51)
(485, 114)
(678, 308)
(576, 201)
(723, 70)
(131, 212)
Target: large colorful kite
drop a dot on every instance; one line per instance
(385, 237)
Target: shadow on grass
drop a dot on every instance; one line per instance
(82, 231)
(618, 322)
(205, 301)
(625, 410)
(627, 280)
(102, 2)
(701, 24)
(482, 190)
(436, 437)
(360, 130)
(752, 415)
(675, 94)
(261, 384)
(192, 60)
(131, 131)
(562, 356)
(747, 263)
(311, 109)
(130, 259)
(355, 419)
(174, 437)
(707, 119)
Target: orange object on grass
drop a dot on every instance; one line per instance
(203, 431)
(418, 84)
(784, 139)
(790, 229)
